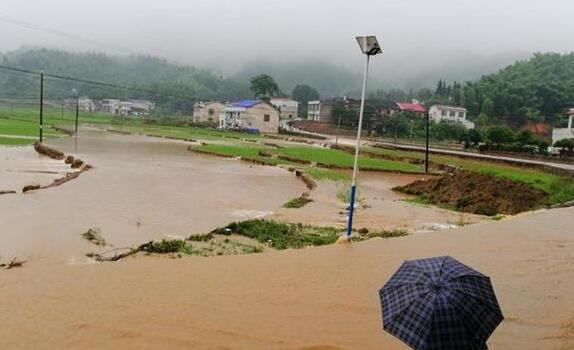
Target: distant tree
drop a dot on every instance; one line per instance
(448, 131)
(567, 145)
(303, 94)
(500, 135)
(264, 86)
(487, 107)
(474, 137)
(525, 137)
(481, 120)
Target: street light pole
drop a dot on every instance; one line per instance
(370, 47)
(427, 145)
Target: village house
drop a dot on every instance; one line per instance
(125, 108)
(564, 133)
(208, 112)
(251, 115)
(288, 108)
(320, 111)
(84, 104)
(109, 105)
(440, 113)
(141, 107)
(413, 107)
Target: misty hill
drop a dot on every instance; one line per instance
(328, 79)
(540, 86)
(140, 71)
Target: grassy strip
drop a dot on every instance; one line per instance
(326, 174)
(336, 158)
(282, 235)
(245, 151)
(380, 234)
(296, 203)
(12, 141)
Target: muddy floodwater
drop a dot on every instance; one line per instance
(139, 189)
(321, 298)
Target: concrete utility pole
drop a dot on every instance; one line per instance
(41, 106)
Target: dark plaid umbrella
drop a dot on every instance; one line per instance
(440, 304)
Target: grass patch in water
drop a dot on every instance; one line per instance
(298, 202)
(282, 235)
(380, 234)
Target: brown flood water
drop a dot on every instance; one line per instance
(311, 299)
(140, 189)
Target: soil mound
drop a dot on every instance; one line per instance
(48, 151)
(477, 193)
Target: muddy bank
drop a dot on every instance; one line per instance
(75, 163)
(48, 151)
(477, 193)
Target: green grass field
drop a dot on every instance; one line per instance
(343, 159)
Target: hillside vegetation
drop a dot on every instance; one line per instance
(542, 86)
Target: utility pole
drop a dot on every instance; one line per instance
(62, 112)
(77, 113)
(337, 135)
(427, 145)
(41, 106)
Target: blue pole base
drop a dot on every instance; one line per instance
(351, 211)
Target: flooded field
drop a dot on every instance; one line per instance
(317, 298)
(143, 189)
(139, 189)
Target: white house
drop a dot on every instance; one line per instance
(251, 114)
(86, 104)
(125, 108)
(208, 112)
(440, 113)
(288, 108)
(110, 106)
(319, 111)
(141, 107)
(564, 133)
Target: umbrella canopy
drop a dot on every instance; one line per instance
(440, 304)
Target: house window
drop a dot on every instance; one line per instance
(266, 118)
(443, 113)
(211, 111)
(452, 114)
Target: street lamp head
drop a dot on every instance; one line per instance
(369, 45)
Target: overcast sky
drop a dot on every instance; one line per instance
(415, 34)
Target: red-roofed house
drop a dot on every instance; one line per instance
(412, 107)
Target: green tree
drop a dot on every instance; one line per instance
(303, 94)
(525, 137)
(567, 145)
(475, 137)
(264, 86)
(500, 135)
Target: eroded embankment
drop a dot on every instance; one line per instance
(75, 163)
(477, 193)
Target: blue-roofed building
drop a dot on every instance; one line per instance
(251, 114)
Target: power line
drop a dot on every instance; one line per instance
(97, 83)
(56, 32)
